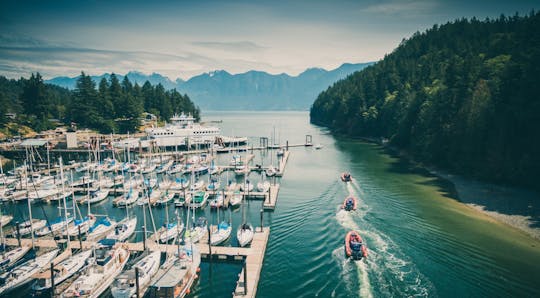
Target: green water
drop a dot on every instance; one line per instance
(422, 241)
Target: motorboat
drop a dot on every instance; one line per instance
(354, 246)
(346, 177)
(199, 199)
(349, 204)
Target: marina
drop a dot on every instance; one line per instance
(88, 178)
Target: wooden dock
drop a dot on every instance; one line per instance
(252, 257)
(283, 163)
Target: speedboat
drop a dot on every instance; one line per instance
(354, 246)
(349, 204)
(346, 177)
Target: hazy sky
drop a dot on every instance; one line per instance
(181, 39)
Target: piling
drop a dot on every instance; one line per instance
(18, 233)
(210, 242)
(52, 279)
(262, 214)
(137, 282)
(80, 236)
(245, 276)
(144, 237)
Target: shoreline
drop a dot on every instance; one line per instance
(513, 206)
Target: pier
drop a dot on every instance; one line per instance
(251, 257)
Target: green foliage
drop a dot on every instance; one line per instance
(463, 96)
(113, 107)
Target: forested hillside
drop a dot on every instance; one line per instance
(110, 106)
(464, 96)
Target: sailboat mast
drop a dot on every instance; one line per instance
(64, 196)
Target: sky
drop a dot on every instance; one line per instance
(181, 39)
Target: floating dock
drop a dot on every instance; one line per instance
(251, 257)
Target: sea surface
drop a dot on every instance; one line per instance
(422, 240)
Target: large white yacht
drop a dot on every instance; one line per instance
(180, 129)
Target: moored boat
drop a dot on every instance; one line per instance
(100, 273)
(62, 271)
(175, 281)
(125, 285)
(123, 230)
(22, 274)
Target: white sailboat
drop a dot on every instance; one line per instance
(128, 198)
(123, 230)
(9, 258)
(28, 226)
(222, 232)
(197, 231)
(124, 285)
(84, 225)
(245, 231)
(55, 226)
(99, 274)
(100, 229)
(176, 280)
(263, 186)
(236, 199)
(62, 271)
(22, 274)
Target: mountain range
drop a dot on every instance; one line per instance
(252, 90)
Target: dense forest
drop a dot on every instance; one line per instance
(464, 96)
(112, 106)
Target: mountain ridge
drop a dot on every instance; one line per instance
(254, 89)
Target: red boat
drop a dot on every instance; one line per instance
(349, 204)
(346, 177)
(354, 247)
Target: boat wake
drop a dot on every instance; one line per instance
(386, 268)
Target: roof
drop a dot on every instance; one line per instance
(33, 142)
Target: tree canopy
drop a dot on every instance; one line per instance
(111, 106)
(463, 96)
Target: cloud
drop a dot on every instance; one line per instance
(402, 8)
(244, 46)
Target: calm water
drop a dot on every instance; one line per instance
(422, 242)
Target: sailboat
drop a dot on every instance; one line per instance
(245, 231)
(9, 258)
(55, 226)
(84, 224)
(236, 199)
(62, 271)
(169, 230)
(124, 285)
(197, 231)
(106, 264)
(263, 186)
(176, 280)
(129, 198)
(123, 229)
(222, 232)
(213, 185)
(22, 274)
(28, 226)
(247, 186)
(100, 229)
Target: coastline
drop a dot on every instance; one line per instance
(516, 207)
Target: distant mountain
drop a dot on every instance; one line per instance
(134, 77)
(252, 90)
